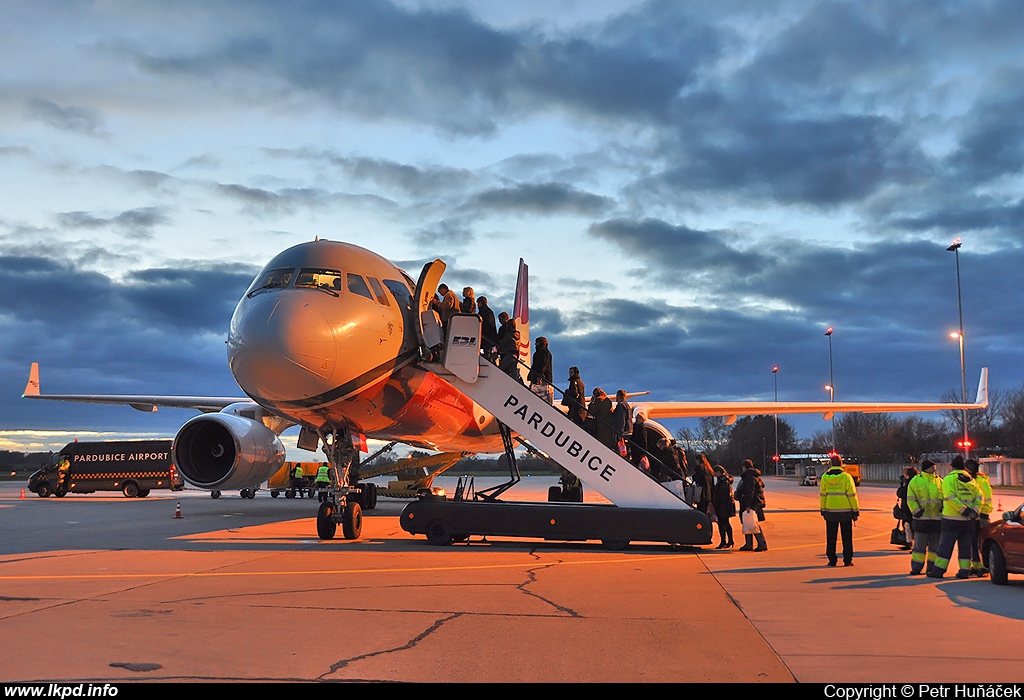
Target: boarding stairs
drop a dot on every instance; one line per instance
(544, 426)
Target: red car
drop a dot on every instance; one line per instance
(1002, 545)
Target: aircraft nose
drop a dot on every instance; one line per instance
(281, 347)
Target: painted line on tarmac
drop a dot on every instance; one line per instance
(331, 572)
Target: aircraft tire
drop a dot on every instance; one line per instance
(44, 490)
(369, 496)
(352, 523)
(130, 490)
(439, 532)
(996, 565)
(325, 525)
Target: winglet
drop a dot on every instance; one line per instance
(982, 399)
(32, 388)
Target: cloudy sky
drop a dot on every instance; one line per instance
(700, 189)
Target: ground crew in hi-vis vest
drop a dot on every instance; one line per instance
(961, 504)
(924, 498)
(981, 479)
(839, 508)
(323, 481)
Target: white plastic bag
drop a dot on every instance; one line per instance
(749, 520)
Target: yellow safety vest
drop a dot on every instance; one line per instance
(838, 492)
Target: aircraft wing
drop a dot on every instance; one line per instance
(732, 409)
(147, 404)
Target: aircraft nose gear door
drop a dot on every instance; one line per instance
(428, 327)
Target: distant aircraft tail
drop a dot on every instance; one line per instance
(982, 398)
(32, 388)
(521, 315)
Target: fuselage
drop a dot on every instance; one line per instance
(326, 337)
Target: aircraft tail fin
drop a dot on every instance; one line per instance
(521, 315)
(982, 398)
(32, 388)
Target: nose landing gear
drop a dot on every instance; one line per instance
(341, 504)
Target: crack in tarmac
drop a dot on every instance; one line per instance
(532, 578)
(335, 667)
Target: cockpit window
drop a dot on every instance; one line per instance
(379, 291)
(317, 278)
(401, 291)
(275, 278)
(357, 285)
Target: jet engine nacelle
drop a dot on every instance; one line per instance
(225, 451)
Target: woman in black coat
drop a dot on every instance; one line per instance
(600, 410)
(725, 507)
(750, 494)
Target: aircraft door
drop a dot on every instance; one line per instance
(428, 328)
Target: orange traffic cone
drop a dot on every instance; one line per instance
(22, 491)
(177, 511)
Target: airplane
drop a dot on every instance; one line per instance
(334, 338)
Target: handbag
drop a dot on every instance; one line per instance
(897, 512)
(898, 535)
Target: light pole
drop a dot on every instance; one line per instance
(832, 397)
(831, 386)
(963, 388)
(778, 462)
(955, 249)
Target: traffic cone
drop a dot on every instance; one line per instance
(177, 511)
(22, 492)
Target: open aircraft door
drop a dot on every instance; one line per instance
(428, 328)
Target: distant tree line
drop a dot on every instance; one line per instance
(22, 461)
(879, 438)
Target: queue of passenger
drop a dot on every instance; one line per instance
(614, 425)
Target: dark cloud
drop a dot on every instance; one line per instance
(958, 215)
(445, 67)
(546, 198)
(445, 236)
(893, 298)
(259, 201)
(156, 331)
(75, 119)
(992, 140)
(139, 222)
(669, 248)
(389, 174)
(747, 149)
(194, 299)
